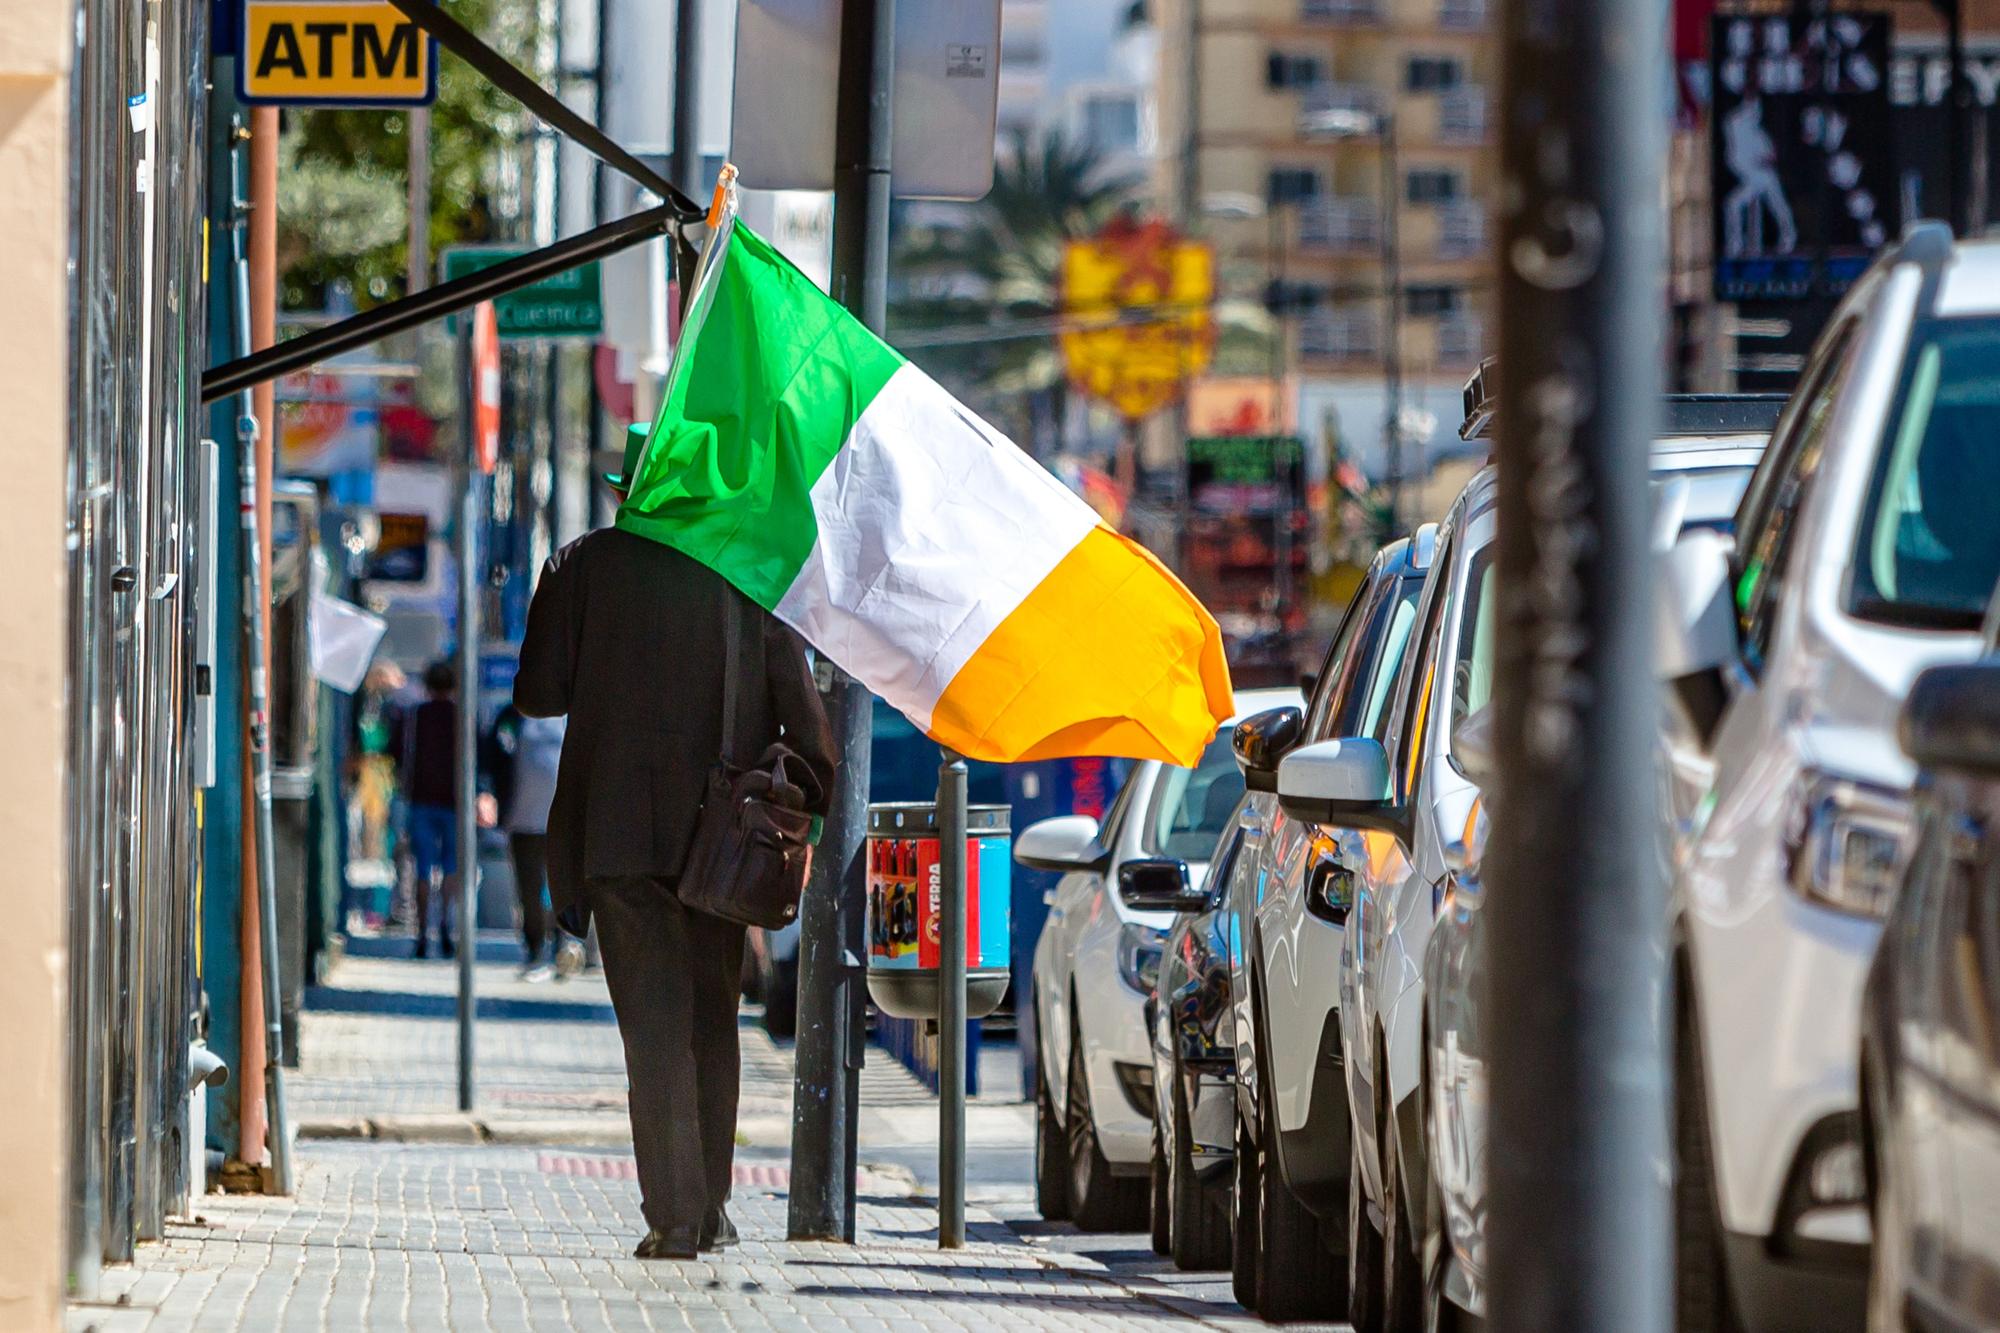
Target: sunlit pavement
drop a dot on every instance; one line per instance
(522, 1215)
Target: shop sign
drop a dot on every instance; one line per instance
(333, 53)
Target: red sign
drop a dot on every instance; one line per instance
(485, 387)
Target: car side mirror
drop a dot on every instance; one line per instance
(1952, 718)
(1472, 746)
(1344, 782)
(1062, 844)
(1261, 740)
(1694, 625)
(1159, 884)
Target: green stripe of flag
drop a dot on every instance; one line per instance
(767, 382)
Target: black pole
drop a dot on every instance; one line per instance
(1955, 101)
(1392, 340)
(1580, 1228)
(435, 302)
(687, 96)
(827, 1083)
(952, 1036)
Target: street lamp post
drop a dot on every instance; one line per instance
(1355, 123)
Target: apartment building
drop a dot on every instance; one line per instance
(1308, 139)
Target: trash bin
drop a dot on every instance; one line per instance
(904, 902)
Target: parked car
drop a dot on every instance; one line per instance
(1094, 969)
(1286, 909)
(1864, 549)
(1194, 1060)
(1930, 1049)
(1407, 975)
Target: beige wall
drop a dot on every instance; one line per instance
(34, 104)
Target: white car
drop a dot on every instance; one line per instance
(1865, 549)
(1094, 970)
(1698, 479)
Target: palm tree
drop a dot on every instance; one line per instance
(998, 261)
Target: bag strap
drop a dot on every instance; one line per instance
(732, 666)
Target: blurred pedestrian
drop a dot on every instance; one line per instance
(526, 753)
(626, 637)
(430, 780)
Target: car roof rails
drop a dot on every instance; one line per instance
(1682, 414)
(1927, 242)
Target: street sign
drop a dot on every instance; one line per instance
(485, 388)
(333, 53)
(569, 304)
(1136, 300)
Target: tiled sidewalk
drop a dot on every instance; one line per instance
(524, 1215)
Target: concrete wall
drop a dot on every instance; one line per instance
(35, 38)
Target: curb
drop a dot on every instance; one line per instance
(464, 1129)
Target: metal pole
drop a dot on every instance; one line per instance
(952, 819)
(468, 720)
(262, 871)
(686, 162)
(827, 1085)
(1581, 1213)
(1280, 349)
(417, 260)
(1392, 345)
(1955, 100)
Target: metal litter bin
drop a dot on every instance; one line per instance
(904, 901)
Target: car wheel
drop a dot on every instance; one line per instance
(1296, 1277)
(1162, 1187)
(1098, 1200)
(1199, 1211)
(1243, 1216)
(1402, 1292)
(1364, 1249)
(1051, 1149)
(1701, 1285)
(781, 1000)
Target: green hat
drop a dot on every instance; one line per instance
(635, 445)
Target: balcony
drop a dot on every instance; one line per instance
(1461, 230)
(1462, 15)
(1340, 334)
(1342, 13)
(1461, 115)
(1320, 101)
(1461, 340)
(1339, 226)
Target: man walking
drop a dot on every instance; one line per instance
(429, 746)
(525, 754)
(625, 636)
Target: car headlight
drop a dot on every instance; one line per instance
(1139, 950)
(1845, 849)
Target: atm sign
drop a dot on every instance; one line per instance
(334, 53)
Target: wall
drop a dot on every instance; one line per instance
(35, 51)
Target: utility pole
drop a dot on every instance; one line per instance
(832, 950)
(1392, 338)
(686, 164)
(1581, 1229)
(417, 261)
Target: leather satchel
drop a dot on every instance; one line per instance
(752, 848)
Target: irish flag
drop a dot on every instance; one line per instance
(841, 488)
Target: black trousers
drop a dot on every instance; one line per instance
(531, 871)
(675, 976)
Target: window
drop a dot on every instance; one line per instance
(1771, 510)
(1432, 300)
(1284, 70)
(1929, 549)
(1472, 677)
(1115, 816)
(1404, 730)
(1191, 807)
(1431, 74)
(1430, 185)
(1111, 123)
(1290, 184)
(1372, 718)
(1224, 866)
(1327, 688)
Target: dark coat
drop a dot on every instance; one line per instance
(626, 637)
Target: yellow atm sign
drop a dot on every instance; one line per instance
(334, 53)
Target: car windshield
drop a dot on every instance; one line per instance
(1194, 804)
(1472, 678)
(1929, 549)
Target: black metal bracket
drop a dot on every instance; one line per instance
(510, 275)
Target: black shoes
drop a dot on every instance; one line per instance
(717, 1231)
(676, 1243)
